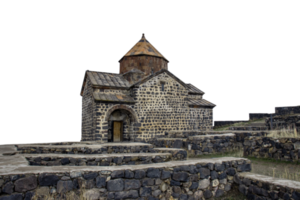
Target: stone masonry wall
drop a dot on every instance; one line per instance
(287, 110)
(85, 150)
(157, 111)
(88, 105)
(160, 111)
(100, 109)
(200, 119)
(285, 149)
(65, 160)
(283, 122)
(253, 116)
(194, 181)
(255, 186)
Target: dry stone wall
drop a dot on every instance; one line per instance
(253, 116)
(195, 181)
(206, 142)
(112, 160)
(213, 144)
(285, 149)
(255, 186)
(30, 149)
(287, 110)
(284, 122)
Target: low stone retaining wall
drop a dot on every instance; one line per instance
(256, 186)
(205, 144)
(181, 180)
(208, 141)
(287, 110)
(170, 142)
(284, 122)
(99, 160)
(85, 149)
(253, 116)
(177, 154)
(285, 149)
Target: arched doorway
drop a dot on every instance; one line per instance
(120, 119)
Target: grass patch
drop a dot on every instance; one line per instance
(236, 153)
(226, 127)
(272, 160)
(284, 133)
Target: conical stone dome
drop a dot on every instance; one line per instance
(144, 57)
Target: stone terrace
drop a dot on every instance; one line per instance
(92, 148)
(140, 170)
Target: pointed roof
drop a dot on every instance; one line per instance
(143, 47)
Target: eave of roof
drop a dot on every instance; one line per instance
(119, 98)
(200, 103)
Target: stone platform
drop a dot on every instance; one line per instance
(98, 159)
(195, 179)
(90, 148)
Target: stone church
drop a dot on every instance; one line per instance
(145, 100)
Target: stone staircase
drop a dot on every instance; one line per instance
(133, 171)
(93, 154)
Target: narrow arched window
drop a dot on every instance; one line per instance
(162, 83)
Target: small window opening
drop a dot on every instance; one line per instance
(162, 86)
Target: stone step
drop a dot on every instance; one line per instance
(107, 148)
(193, 178)
(179, 154)
(99, 159)
(24, 168)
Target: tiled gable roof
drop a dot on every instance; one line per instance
(119, 98)
(107, 79)
(193, 89)
(200, 102)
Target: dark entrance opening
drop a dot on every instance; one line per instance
(117, 130)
